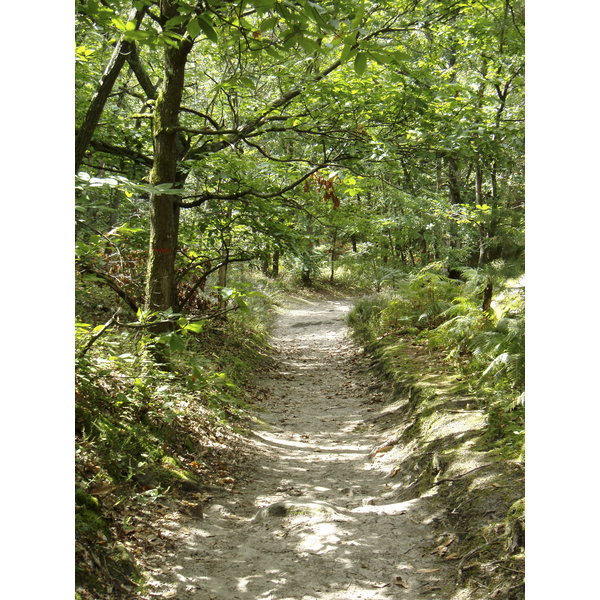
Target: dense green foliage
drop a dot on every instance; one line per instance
(486, 349)
(376, 145)
(303, 130)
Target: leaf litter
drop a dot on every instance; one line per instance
(205, 544)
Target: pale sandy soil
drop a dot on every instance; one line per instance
(340, 535)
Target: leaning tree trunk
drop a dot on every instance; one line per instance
(86, 131)
(164, 213)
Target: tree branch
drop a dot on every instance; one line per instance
(237, 196)
(135, 62)
(95, 337)
(112, 284)
(100, 146)
(109, 77)
(207, 273)
(200, 114)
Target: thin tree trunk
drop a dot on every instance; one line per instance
(96, 107)
(453, 181)
(478, 185)
(402, 255)
(275, 272)
(333, 254)
(412, 257)
(223, 276)
(226, 241)
(438, 173)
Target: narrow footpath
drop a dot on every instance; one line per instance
(314, 518)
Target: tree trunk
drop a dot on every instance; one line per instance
(453, 181)
(225, 243)
(96, 107)
(438, 173)
(412, 257)
(400, 250)
(478, 185)
(164, 213)
(333, 254)
(275, 272)
(487, 296)
(223, 276)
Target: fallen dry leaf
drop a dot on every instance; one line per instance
(224, 480)
(394, 471)
(384, 449)
(400, 581)
(103, 489)
(453, 556)
(442, 548)
(427, 570)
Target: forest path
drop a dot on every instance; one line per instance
(331, 534)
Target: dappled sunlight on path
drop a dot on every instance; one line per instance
(313, 521)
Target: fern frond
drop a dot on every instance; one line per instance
(435, 309)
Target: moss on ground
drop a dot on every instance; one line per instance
(457, 448)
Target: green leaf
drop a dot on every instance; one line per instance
(118, 23)
(242, 305)
(198, 374)
(348, 52)
(272, 52)
(382, 59)
(196, 327)
(247, 82)
(208, 30)
(176, 343)
(176, 21)
(291, 41)
(269, 23)
(193, 28)
(401, 56)
(359, 15)
(360, 64)
(309, 45)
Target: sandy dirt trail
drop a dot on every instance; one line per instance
(316, 519)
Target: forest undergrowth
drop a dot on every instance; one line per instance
(453, 426)
(161, 418)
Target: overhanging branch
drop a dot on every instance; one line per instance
(239, 195)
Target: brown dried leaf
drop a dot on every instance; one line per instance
(103, 490)
(453, 556)
(400, 581)
(427, 570)
(442, 548)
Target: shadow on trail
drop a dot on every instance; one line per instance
(345, 535)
